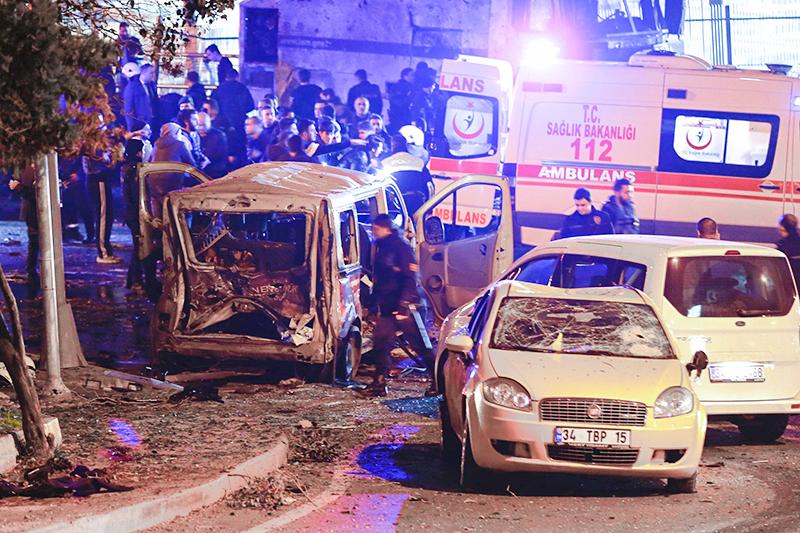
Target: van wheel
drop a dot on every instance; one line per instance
(348, 356)
(682, 486)
(762, 429)
(451, 445)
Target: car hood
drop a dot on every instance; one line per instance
(548, 375)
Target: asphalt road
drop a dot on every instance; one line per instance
(400, 483)
(396, 481)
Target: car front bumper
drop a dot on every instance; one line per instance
(490, 424)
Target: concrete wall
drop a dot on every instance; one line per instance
(334, 38)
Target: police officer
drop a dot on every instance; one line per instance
(620, 208)
(586, 220)
(409, 173)
(394, 293)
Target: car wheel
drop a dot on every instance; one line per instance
(348, 356)
(682, 486)
(762, 429)
(451, 445)
(472, 475)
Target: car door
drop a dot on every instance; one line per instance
(464, 240)
(156, 180)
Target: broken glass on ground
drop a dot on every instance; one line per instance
(580, 326)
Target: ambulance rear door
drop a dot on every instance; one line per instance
(470, 127)
(723, 153)
(582, 124)
(793, 191)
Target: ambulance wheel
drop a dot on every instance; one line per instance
(762, 429)
(682, 486)
(348, 356)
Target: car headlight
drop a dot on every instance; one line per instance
(674, 401)
(507, 393)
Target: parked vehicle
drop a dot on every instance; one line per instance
(735, 302)
(674, 125)
(581, 381)
(273, 260)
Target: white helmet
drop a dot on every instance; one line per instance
(130, 70)
(413, 135)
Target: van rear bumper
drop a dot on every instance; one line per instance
(765, 407)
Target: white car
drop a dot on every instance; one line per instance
(582, 381)
(736, 302)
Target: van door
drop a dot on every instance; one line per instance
(156, 180)
(464, 240)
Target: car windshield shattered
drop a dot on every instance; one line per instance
(580, 326)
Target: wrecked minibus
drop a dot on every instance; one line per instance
(273, 260)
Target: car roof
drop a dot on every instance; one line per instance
(309, 180)
(647, 245)
(521, 289)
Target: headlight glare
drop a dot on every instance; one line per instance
(674, 401)
(507, 393)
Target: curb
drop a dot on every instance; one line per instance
(13, 444)
(162, 509)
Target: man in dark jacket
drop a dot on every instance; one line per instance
(789, 243)
(196, 90)
(137, 150)
(224, 65)
(294, 151)
(305, 95)
(400, 94)
(366, 89)
(100, 178)
(24, 184)
(620, 208)
(258, 140)
(74, 199)
(138, 100)
(396, 296)
(215, 145)
(235, 102)
(189, 122)
(586, 220)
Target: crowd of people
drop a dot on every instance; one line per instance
(221, 130)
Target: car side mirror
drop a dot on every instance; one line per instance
(433, 230)
(699, 363)
(461, 344)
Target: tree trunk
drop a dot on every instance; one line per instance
(13, 357)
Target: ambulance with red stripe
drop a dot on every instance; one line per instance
(472, 117)
(696, 141)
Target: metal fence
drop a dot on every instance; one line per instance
(744, 33)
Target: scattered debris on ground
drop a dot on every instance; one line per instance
(315, 446)
(46, 481)
(261, 493)
(291, 383)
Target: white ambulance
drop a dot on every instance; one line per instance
(472, 117)
(696, 140)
